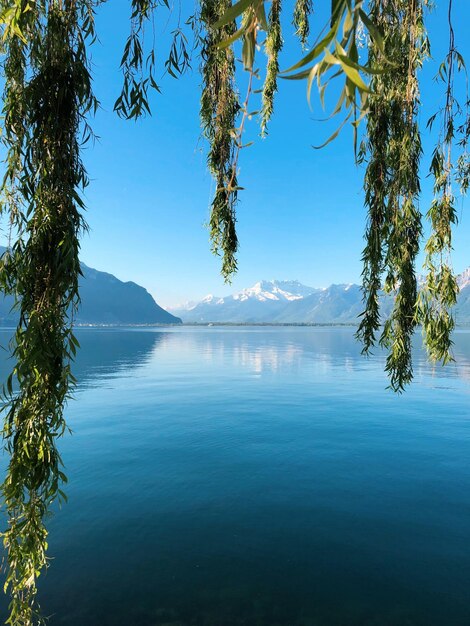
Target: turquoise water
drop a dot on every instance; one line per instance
(260, 477)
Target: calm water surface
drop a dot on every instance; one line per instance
(260, 477)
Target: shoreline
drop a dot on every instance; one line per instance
(226, 324)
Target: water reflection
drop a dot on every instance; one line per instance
(267, 350)
(106, 354)
(260, 477)
(313, 350)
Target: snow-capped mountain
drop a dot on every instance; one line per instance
(263, 291)
(463, 279)
(276, 290)
(292, 302)
(277, 301)
(264, 301)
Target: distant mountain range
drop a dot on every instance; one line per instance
(291, 302)
(105, 300)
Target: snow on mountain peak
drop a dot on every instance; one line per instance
(275, 290)
(209, 298)
(463, 279)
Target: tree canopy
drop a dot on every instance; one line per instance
(369, 53)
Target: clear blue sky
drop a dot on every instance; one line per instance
(301, 215)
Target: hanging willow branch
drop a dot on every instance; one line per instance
(301, 20)
(440, 291)
(138, 75)
(139, 59)
(392, 185)
(219, 110)
(376, 183)
(273, 47)
(47, 98)
(404, 217)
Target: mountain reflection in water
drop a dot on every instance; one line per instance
(260, 477)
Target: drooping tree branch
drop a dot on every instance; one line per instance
(219, 110)
(273, 48)
(403, 214)
(376, 182)
(439, 294)
(301, 20)
(47, 98)
(392, 185)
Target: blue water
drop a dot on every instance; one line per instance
(260, 477)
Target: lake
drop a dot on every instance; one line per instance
(260, 477)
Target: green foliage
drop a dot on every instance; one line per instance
(335, 55)
(393, 150)
(301, 20)
(139, 67)
(47, 97)
(219, 109)
(47, 101)
(392, 186)
(273, 47)
(439, 294)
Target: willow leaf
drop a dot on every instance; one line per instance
(233, 12)
(230, 40)
(317, 50)
(334, 135)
